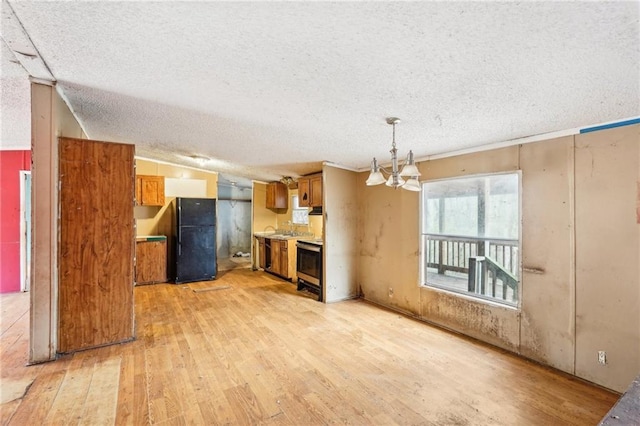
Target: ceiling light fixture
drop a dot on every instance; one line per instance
(200, 158)
(287, 180)
(395, 179)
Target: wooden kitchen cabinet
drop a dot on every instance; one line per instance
(151, 261)
(284, 258)
(278, 256)
(288, 259)
(304, 192)
(277, 195)
(149, 190)
(310, 191)
(261, 253)
(275, 257)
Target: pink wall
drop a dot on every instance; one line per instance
(11, 162)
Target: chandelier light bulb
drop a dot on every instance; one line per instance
(375, 177)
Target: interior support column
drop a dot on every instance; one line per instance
(44, 199)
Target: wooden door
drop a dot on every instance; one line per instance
(96, 244)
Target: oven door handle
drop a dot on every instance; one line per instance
(309, 247)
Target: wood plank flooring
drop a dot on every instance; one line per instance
(260, 352)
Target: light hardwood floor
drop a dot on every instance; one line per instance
(260, 352)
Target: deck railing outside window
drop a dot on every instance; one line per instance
(484, 266)
(470, 230)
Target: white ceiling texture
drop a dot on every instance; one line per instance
(266, 89)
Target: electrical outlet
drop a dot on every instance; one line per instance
(390, 292)
(602, 357)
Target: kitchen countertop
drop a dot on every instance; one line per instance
(278, 236)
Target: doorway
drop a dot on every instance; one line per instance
(25, 230)
(234, 222)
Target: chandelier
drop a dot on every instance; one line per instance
(395, 179)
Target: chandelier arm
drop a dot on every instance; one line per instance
(402, 163)
(387, 171)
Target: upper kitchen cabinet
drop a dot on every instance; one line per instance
(277, 195)
(310, 191)
(149, 190)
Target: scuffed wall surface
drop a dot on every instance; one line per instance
(234, 227)
(340, 228)
(548, 282)
(50, 118)
(233, 220)
(44, 209)
(607, 268)
(580, 249)
(388, 250)
(491, 323)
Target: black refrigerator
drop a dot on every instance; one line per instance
(195, 239)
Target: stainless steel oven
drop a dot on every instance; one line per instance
(309, 266)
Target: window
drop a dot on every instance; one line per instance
(299, 215)
(470, 240)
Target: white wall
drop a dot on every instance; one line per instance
(607, 188)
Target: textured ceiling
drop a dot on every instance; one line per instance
(274, 88)
(15, 104)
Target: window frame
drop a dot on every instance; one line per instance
(423, 281)
(295, 207)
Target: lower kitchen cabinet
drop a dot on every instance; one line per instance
(284, 258)
(278, 256)
(276, 246)
(151, 261)
(281, 260)
(261, 255)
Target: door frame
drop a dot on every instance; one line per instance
(25, 270)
